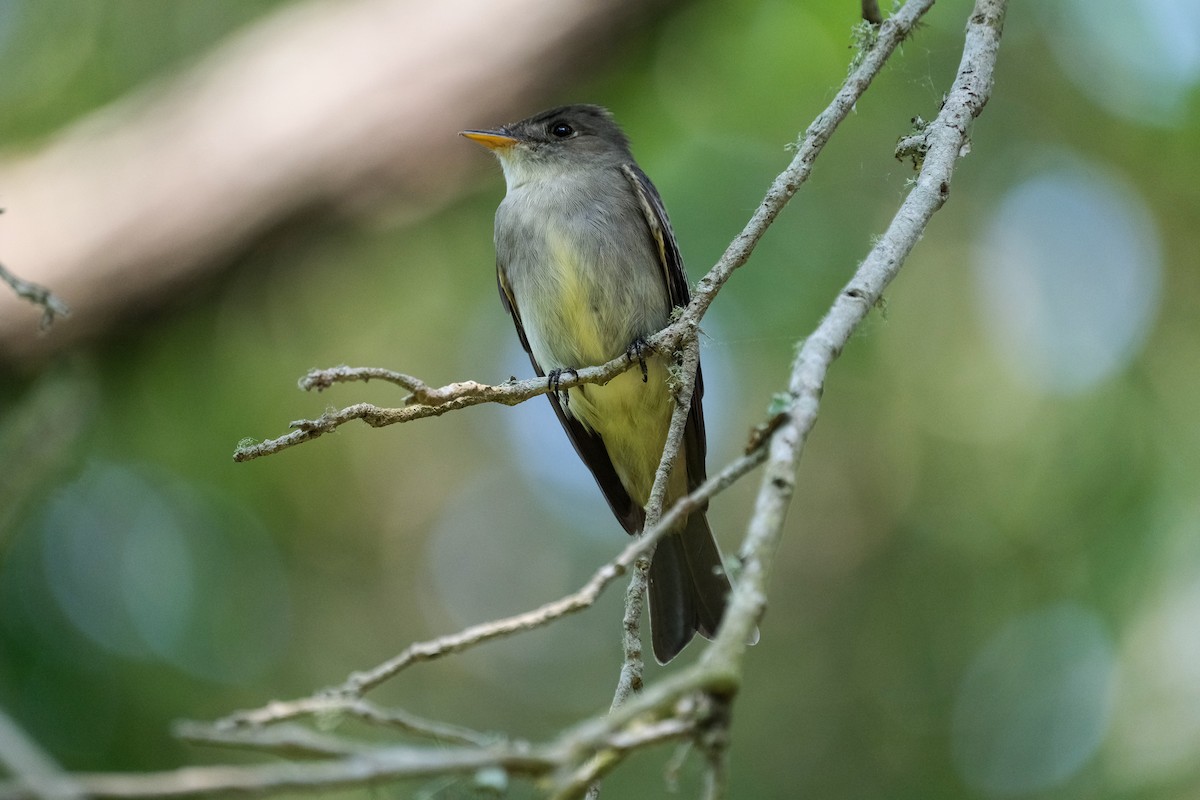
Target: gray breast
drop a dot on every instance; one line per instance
(577, 255)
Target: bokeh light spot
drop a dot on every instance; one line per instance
(492, 554)
(1068, 278)
(1158, 702)
(1035, 702)
(156, 577)
(84, 536)
(150, 568)
(1139, 59)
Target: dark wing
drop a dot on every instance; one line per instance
(676, 280)
(661, 234)
(588, 445)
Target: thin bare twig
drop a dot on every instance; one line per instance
(326, 707)
(895, 30)
(424, 400)
(52, 305)
(361, 682)
(585, 777)
(287, 740)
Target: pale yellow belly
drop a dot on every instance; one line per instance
(632, 418)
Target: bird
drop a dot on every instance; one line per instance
(588, 268)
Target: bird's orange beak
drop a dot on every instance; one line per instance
(492, 140)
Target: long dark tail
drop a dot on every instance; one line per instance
(688, 588)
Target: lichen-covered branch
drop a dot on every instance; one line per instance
(946, 140)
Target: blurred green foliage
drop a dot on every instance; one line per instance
(946, 502)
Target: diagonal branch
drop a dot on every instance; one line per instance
(946, 140)
(817, 135)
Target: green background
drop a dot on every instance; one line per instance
(990, 581)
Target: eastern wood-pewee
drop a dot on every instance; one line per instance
(588, 267)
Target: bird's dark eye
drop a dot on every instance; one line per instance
(561, 130)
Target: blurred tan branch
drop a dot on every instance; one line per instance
(324, 106)
(692, 703)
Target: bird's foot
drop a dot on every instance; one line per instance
(554, 377)
(637, 351)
